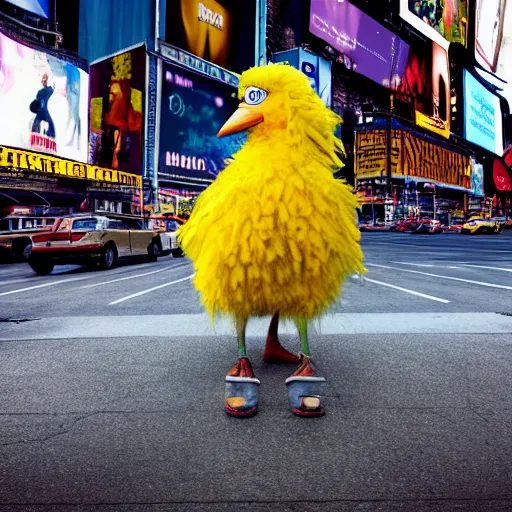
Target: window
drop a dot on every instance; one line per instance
(85, 224)
(116, 224)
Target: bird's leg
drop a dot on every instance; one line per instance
(241, 382)
(274, 351)
(241, 325)
(305, 384)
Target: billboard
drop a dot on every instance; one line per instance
(483, 122)
(220, 31)
(368, 47)
(427, 81)
(39, 7)
(45, 100)
(477, 179)
(489, 32)
(118, 88)
(442, 21)
(50, 166)
(316, 68)
(411, 157)
(193, 109)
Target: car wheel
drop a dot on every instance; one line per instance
(108, 257)
(27, 251)
(41, 267)
(153, 251)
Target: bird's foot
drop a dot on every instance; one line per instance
(241, 390)
(275, 353)
(305, 386)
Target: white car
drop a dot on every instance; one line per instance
(168, 238)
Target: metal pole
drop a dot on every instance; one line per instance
(389, 149)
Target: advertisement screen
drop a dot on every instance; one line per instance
(316, 68)
(427, 81)
(489, 32)
(39, 7)
(118, 86)
(482, 116)
(477, 179)
(45, 100)
(193, 109)
(411, 157)
(219, 31)
(442, 21)
(368, 47)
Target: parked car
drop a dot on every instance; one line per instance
(481, 227)
(428, 227)
(15, 235)
(91, 240)
(167, 226)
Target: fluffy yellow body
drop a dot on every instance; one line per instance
(276, 231)
(267, 238)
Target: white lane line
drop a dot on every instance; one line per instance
(133, 277)
(144, 292)
(479, 283)
(413, 264)
(53, 283)
(488, 268)
(412, 292)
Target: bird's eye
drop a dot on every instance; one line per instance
(254, 95)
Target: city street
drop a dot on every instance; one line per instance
(111, 390)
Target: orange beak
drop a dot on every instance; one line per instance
(244, 117)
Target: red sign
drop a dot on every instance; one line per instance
(501, 176)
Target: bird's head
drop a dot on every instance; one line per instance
(277, 98)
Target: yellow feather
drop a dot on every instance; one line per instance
(276, 231)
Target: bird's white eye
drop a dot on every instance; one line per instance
(254, 95)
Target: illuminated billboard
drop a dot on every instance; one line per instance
(489, 32)
(442, 21)
(483, 123)
(45, 100)
(193, 109)
(427, 81)
(368, 47)
(219, 31)
(118, 89)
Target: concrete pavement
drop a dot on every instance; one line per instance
(412, 424)
(111, 389)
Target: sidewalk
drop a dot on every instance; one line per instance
(414, 423)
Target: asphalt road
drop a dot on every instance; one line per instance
(111, 389)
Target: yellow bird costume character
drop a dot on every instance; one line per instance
(275, 232)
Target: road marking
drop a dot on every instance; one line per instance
(479, 283)
(133, 277)
(412, 292)
(488, 268)
(54, 283)
(413, 264)
(144, 292)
